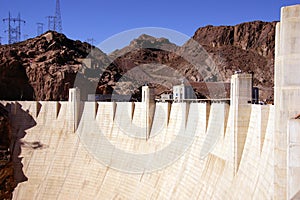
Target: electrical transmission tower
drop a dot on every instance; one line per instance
(91, 41)
(58, 22)
(25, 36)
(14, 28)
(40, 28)
(54, 22)
(51, 23)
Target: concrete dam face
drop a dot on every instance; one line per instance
(161, 150)
(215, 163)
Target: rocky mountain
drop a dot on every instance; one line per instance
(44, 68)
(212, 54)
(145, 41)
(256, 36)
(247, 46)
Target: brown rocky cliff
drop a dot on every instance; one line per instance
(7, 181)
(42, 68)
(256, 36)
(248, 47)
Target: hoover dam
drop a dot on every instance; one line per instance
(214, 149)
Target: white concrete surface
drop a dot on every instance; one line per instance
(80, 166)
(293, 158)
(287, 90)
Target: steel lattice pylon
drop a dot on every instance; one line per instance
(58, 21)
(14, 32)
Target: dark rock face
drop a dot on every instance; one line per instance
(7, 181)
(14, 81)
(44, 68)
(248, 46)
(256, 36)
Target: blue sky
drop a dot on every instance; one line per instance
(102, 19)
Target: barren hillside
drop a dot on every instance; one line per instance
(45, 67)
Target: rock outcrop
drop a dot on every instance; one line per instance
(7, 181)
(248, 47)
(256, 36)
(44, 68)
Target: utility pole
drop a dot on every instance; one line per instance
(40, 28)
(14, 32)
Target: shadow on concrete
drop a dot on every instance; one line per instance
(33, 145)
(20, 121)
